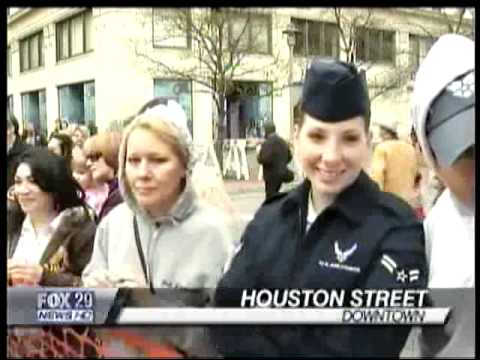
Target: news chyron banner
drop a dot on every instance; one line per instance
(62, 306)
(70, 306)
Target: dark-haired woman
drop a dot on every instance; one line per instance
(50, 232)
(336, 230)
(61, 144)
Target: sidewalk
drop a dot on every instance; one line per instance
(234, 187)
(242, 186)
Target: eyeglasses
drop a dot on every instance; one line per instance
(93, 156)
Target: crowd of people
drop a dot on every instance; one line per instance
(121, 209)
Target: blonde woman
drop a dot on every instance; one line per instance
(161, 236)
(206, 175)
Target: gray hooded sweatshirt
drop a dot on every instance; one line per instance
(187, 248)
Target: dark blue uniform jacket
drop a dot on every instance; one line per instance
(373, 235)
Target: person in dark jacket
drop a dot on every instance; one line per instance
(15, 148)
(50, 233)
(274, 156)
(336, 230)
(101, 151)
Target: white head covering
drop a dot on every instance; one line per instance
(173, 114)
(451, 56)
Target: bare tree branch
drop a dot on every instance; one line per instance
(218, 52)
(460, 20)
(340, 28)
(348, 21)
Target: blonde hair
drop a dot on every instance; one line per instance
(165, 131)
(82, 128)
(106, 143)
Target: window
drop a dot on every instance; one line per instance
(249, 107)
(9, 61)
(171, 28)
(375, 45)
(77, 103)
(419, 47)
(74, 35)
(316, 38)
(31, 52)
(34, 111)
(252, 32)
(178, 90)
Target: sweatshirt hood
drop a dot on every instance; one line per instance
(185, 204)
(450, 57)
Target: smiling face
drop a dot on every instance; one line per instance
(332, 154)
(154, 171)
(33, 200)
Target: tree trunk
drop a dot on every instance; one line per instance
(221, 127)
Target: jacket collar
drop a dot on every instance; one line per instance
(358, 199)
(112, 185)
(68, 221)
(354, 202)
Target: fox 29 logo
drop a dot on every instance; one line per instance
(66, 306)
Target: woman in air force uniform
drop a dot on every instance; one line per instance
(335, 230)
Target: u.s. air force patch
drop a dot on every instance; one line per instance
(402, 275)
(338, 266)
(342, 256)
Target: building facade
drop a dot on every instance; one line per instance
(98, 65)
